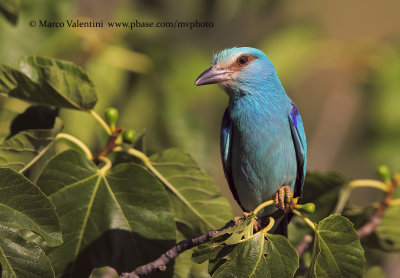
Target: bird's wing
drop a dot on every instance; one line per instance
(300, 144)
(226, 147)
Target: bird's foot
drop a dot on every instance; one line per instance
(280, 200)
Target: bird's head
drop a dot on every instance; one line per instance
(237, 69)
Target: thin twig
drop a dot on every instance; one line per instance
(160, 264)
(375, 220)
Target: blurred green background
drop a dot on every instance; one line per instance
(338, 60)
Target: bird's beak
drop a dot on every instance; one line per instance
(212, 75)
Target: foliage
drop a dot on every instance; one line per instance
(10, 9)
(89, 211)
(118, 215)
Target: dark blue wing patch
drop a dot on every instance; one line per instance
(226, 151)
(294, 112)
(300, 144)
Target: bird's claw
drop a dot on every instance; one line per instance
(280, 200)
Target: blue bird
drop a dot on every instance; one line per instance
(263, 143)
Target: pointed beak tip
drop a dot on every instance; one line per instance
(211, 76)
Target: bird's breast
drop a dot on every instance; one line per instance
(263, 156)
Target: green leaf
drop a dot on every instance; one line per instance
(20, 258)
(198, 204)
(10, 9)
(388, 232)
(119, 217)
(104, 271)
(264, 255)
(322, 189)
(337, 249)
(24, 206)
(26, 147)
(49, 81)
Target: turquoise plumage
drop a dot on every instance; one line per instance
(263, 143)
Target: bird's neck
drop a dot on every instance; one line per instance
(262, 99)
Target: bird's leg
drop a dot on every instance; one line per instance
(279, 198)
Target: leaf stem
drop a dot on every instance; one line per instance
(263, 205)
(270, 224)
(345, 193)
(265, 230)
(100, 121)
(343, 197)
(146, 161)
(369, 183)
(107, 165)
(308, 221)
(77, 142)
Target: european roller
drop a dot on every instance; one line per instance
(263, 143)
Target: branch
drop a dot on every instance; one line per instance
(160, 264)
(303, 245)
(111, 144)
(375, 220)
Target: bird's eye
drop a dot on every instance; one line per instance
(242, 60)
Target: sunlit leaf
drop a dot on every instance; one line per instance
(120, 218)
(48, 81)
(337, 249)
(25, 148)
(200, 206)
(264, 255)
